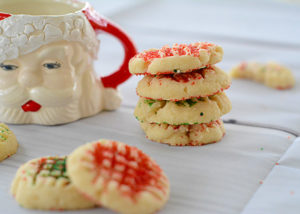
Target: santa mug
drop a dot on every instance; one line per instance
(46, 63)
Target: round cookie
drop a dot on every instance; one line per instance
(200, 83)
(180, 58)
(44, 184)
(271, 74)
(185, 135)
(119, 177)
(186, 112)
(8, 142)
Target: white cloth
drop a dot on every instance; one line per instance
(237, 175)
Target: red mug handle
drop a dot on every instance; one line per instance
(103, 24)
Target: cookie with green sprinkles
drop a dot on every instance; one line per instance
(184, 112)
(44, 184)
(8, 142)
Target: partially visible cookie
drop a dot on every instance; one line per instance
(119, 177)
(44, 184)
(185, 135)
(180, 58)
(270, 74)
(8, 142)
(185, 112)
(200, 83)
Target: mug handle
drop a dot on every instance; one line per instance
(103, 24)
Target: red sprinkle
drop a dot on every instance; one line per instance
(284, 88)
(243, 65)
(176, 50)
(185, 77)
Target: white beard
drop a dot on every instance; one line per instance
(45, 116)
(58, 106)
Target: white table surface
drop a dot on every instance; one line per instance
(237, 175)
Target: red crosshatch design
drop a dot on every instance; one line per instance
(133, 170)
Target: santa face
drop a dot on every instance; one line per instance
(50, 85)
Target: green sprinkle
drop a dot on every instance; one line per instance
(184, 124)
(176, 71)
(190, 102)
(53, 167)
(149, 102)
(179, 103)
(201, 114)
(261, 149)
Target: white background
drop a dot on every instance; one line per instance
(237, 175)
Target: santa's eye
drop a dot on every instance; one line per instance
(55, 65)
(8, 67)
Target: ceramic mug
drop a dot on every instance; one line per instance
(46, 63)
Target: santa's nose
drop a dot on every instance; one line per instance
(30, 79)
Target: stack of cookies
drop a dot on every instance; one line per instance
(181, 96)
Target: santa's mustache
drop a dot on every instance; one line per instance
(16, 96)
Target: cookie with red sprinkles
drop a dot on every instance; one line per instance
(199, 83)
(180, 58)
(119, 177)
(185, 135)
(44, 184)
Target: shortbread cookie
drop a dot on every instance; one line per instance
(271, 74)
(185, 135)
(119, 177)
(44, 184)
(180, 58)
(200, 83)
(186, 112)
(8, 142)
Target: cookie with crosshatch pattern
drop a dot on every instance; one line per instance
(8, 142)
(44, 184)
(119, 177)
(180, 58)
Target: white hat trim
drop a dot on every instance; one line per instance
(22, 34)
